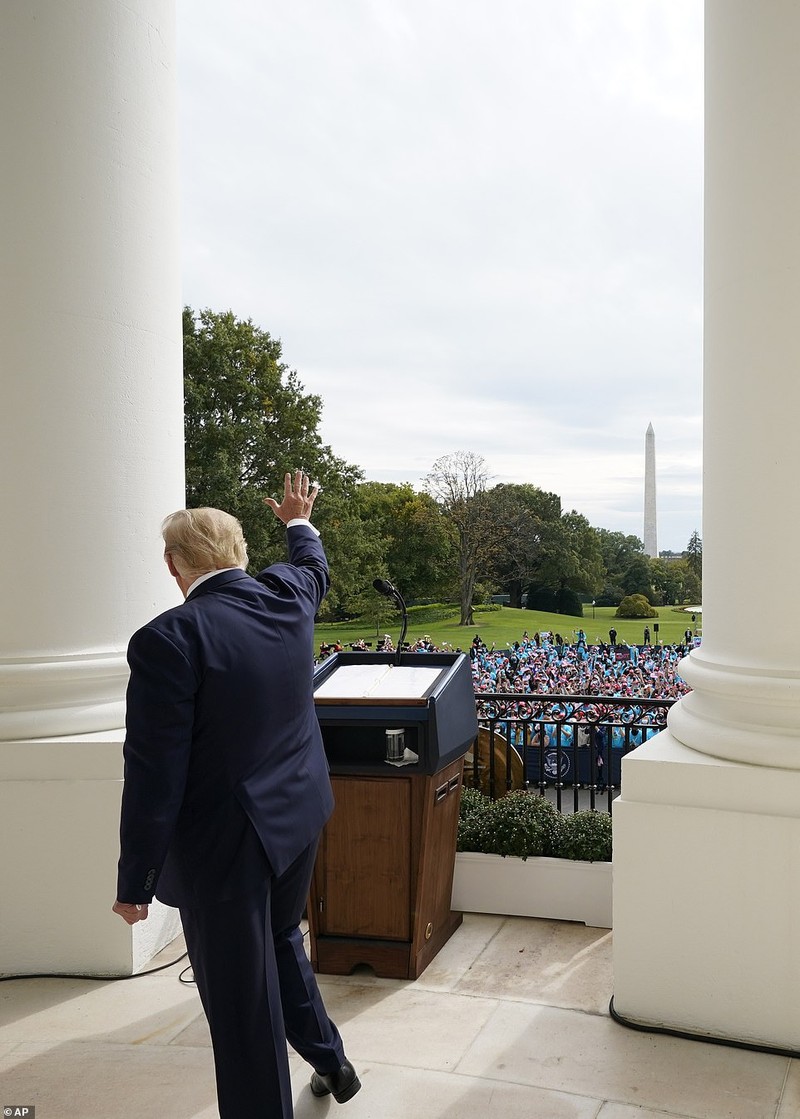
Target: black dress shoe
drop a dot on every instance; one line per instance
(342, 1084)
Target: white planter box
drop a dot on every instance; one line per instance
(559, 889)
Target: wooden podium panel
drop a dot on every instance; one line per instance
(367, 841)
(383, 879)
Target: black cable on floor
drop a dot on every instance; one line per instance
(96, 978)
(109, 978)
(753, 1046)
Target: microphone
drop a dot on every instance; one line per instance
(384, 587)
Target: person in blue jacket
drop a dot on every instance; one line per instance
(226, 793)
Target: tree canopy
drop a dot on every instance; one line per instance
(694, 554)
(458, 483)
(416, 544)
(247, 421)
(527, 519)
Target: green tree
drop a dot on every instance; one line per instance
(584, 570)
(353, 546)
(618, 551)
(611, 594)
(674, 581)
(694, 555)
(667, 581)
(247, 422)
(571, 557)
(416, 542)
(692, 589)
(637, 577)
(375, 611)
(458, 483)
(526, 518)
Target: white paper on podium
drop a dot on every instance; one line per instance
(408, 758)
(378, 681)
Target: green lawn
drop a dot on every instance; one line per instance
(505, 626)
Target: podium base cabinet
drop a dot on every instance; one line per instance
(383, 878)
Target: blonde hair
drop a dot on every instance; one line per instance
(201, 540)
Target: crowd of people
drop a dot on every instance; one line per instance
(546, 664)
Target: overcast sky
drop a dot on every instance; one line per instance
(474, 226)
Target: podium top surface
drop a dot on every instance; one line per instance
(384, 683)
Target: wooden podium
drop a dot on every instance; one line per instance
(383, 879)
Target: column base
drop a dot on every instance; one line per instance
(59, 833)
(706, 913)
(740, 712)
(82, 693)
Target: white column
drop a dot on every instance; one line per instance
(746, 676)
(91, 440)
(708, 825)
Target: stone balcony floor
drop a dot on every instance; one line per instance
(510, 1021)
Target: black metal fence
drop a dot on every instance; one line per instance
(568, 748)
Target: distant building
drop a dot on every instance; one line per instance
(650, 534)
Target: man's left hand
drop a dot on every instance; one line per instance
(130, 913)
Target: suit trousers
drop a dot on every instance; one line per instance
(258, 990)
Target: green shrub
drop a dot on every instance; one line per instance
(611, 595)
(569, 603)
(561, 601)
(584, 835)
(522, 824)
(527, 825)
(472, 800)
(430, 612)
(472, 820)
(541, 598)
(635, 606)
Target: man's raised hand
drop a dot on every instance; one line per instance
(298, 501)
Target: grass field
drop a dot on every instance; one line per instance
(504, 626)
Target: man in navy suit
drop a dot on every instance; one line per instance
(226, 792)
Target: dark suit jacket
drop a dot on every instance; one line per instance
(224, 762)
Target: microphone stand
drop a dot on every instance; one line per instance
(401, 603)
(384, 587)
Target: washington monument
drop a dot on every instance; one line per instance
(650, 540)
